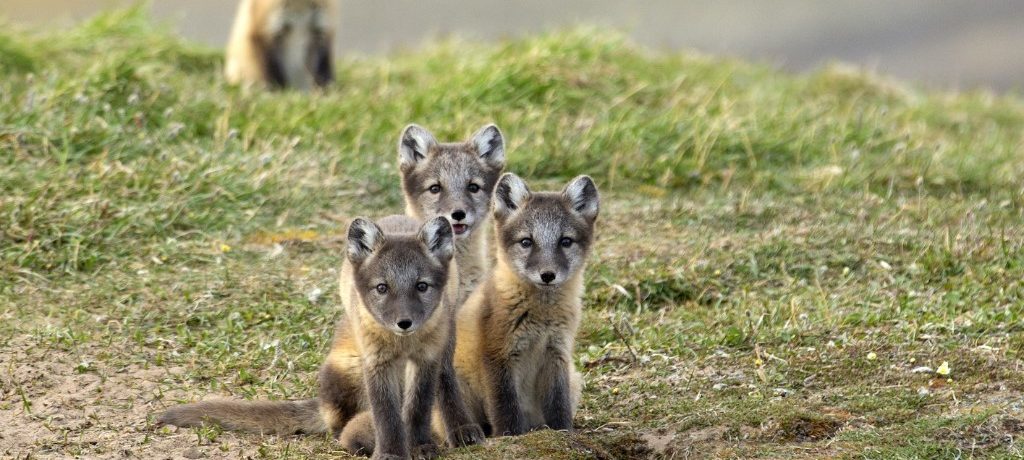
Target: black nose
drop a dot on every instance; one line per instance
(404, 324)
(547, 277)
(459, 215)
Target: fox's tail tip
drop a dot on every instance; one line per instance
(280, 417)
(179, 416)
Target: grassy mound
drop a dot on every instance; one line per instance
(778, 253)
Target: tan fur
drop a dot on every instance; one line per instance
(293, 29)
(517, 331)
(454, 181)
(477, 337)
(361, 344)
(487, 326)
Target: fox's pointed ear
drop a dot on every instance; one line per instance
(490, 145)
(581, 194)
(436, 235)
(364, 238)
(414, 145)
(510, 194)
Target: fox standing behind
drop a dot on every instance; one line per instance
(397, 285)
(282, 44)
(455, 181)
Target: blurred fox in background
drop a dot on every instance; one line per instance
(282, 44)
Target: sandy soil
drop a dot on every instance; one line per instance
(79, 407)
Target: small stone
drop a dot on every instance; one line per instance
(314, 295)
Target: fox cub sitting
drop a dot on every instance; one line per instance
(396, 284)
(517, 331)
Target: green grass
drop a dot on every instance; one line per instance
(761, 234)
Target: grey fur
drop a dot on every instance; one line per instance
(554, 371)
(404, 278)
(374, 268)
(383, 387)
(505, 411)
(269, 417)
(460, 429)
(364, 237)
(463, 172)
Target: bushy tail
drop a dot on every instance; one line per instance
(268, 417)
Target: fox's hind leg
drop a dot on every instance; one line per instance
(358, 438)
(342, 396)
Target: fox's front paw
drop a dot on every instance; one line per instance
(425, 452)
(467, 435)
(512, 429)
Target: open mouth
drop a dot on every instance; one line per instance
(460, 229)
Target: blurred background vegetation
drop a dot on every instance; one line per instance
(956, 44)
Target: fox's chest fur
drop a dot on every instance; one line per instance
(298, 28)
(509, 318)
(295, 56)
(532, 320)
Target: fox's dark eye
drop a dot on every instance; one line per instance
(565, 242)
(435, 188)
(526, 242)
(421, 286)
(382, 288)
(473, 188)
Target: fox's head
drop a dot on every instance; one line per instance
(400, 278)
(280, 17)
(451, 180)
(545, 236)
